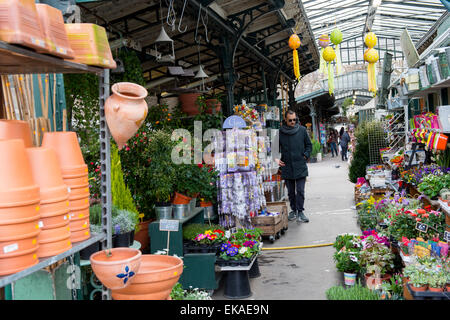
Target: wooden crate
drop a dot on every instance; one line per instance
(280, 206)
(270, 226)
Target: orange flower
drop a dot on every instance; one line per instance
(421, 211)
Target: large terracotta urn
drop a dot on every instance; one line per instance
(125, 111)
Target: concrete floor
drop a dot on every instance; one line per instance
(305, 274)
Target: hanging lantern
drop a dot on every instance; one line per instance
(370, 40)
(294, 43)
(164, 48)
(371, 56)
(336, 39)
(329, 55)
(324, 41)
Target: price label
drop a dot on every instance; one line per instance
(422, 227)
(169, 225)
(447, 236)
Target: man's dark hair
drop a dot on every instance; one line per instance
(288, 113)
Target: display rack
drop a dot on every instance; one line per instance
(18, 60)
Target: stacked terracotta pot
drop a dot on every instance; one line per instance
(54, 206)
(19, 209)
(75, 176)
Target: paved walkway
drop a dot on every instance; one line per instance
(305, 274)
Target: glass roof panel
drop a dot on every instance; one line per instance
(388, 19)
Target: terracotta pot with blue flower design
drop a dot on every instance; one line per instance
(117, 267)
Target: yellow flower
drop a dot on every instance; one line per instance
(208, 232)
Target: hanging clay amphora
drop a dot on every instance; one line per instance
(125, 111)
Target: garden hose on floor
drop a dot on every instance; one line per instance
(299, 247)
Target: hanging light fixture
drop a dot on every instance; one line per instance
(163, 39)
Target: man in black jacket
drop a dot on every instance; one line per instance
(295, 148)
(345, 139)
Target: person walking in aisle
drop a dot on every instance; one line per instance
(332, 138)
(345, 139)
(296, 149)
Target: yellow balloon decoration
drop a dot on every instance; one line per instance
(370, 40)
(294, 43)
(329, 55)
(324, 41)
(371, 56)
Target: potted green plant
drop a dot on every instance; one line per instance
(188, 183)
(356, 292)
(123, 224)
(436, 281)
(208, 192)
(418, 280)
(347, 262)
(315, 150)
(377, 260)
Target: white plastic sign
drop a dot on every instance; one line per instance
(168, 225)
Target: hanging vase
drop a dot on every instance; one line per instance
(125, 111)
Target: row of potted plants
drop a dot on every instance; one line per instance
(368, 254)
(428, 273)
(234, 249)
(397, 216)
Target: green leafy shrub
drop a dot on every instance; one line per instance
(121, 195)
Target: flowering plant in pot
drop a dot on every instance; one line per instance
(208, 192)
(377, 260)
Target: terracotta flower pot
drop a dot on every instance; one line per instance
(125, 111)
(54, 241)
(56, 221)
(188, 103)
(142, 235)
(21, 25)
(47, 175)
(181, 199)
(67, 150)
(78, 193)
(436, 289)
(79, 223)
(213, 104)
(18, 247)
(117, 267)
(79, 214)
(16, 129)
(155, 279)
(10, 215)
(79, 172)
(80, 235)
(372, 282)
(90, 44)
(25, 229)
(18, 263)
(52, 23)
(419, 289)
(77, 182)
(79, 204)
(54, 209)
(205, 204)
(17, 187)
(55, 234)
(54, 248)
